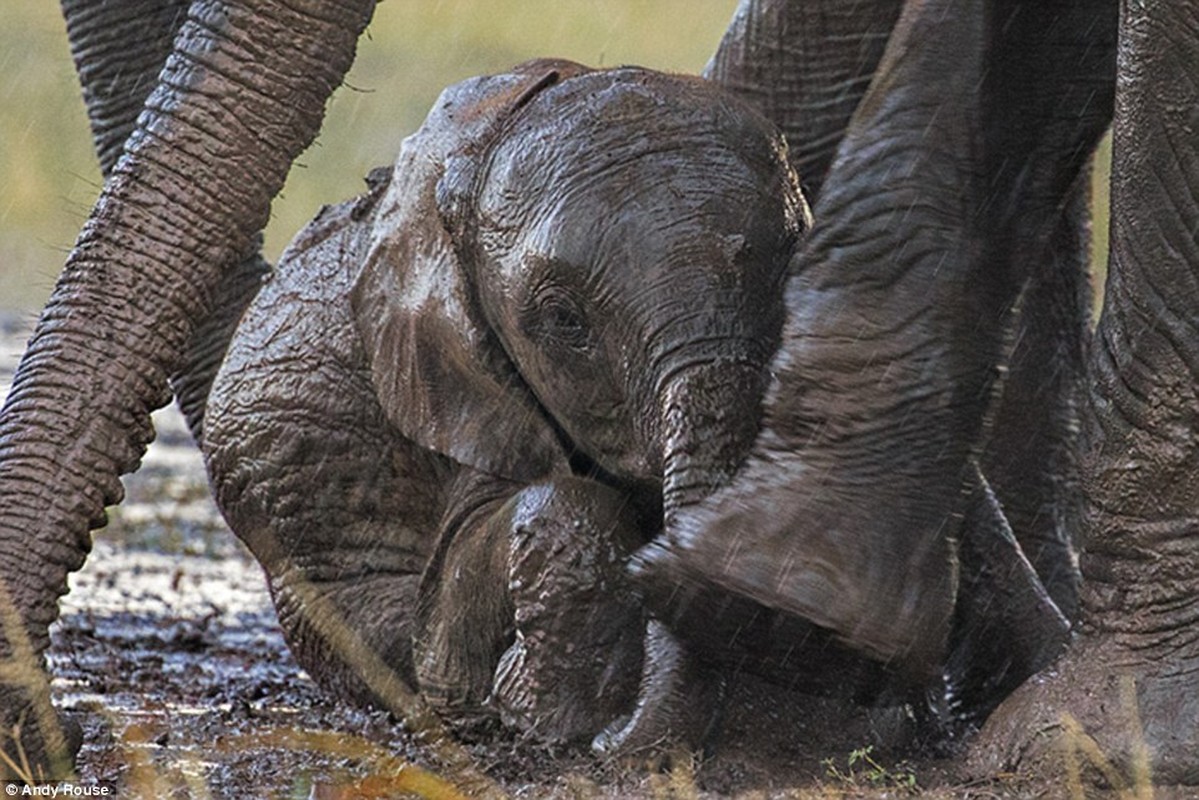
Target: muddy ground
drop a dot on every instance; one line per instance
(169, 655)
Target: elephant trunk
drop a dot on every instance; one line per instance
(119, 49)
(709, 421)
(141, 275)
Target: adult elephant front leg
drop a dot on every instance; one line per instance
(881, 379)
(1050, 85)
(1131, 682)
(1048, 93)
(141, 275)
(846, 513)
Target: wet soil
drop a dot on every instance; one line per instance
(169, 656)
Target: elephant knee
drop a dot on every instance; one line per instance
(353, 636)
(570, 537)
(529, 614)
(576, 657)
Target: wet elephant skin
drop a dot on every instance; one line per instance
(511, 331)
(1139, 417)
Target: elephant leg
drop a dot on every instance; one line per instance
(680, 699)
(1129, 687)
(805, 66)
(530, 614)
(1018, 588)
(1031, 458)
(340, 511)
(1005, 626)
(465, 610)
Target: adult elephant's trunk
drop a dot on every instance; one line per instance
(241, 95)
(119, 50)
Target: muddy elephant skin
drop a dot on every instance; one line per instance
(920, 417)
(443, 424)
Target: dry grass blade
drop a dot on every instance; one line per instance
(23, 670)
(1078, 742)
(401, 700)
(1079, 745)
(391, 775)
(1142, 781)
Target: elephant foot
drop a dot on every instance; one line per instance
(1006, 627)
(679, 702)
(1102, 715)
(566, 695)
(883, 587)
(576, 656)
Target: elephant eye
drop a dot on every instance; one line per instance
(562, 321)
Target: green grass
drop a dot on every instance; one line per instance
(48, 175)
(414, 48)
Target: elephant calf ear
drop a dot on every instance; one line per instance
(439, 371)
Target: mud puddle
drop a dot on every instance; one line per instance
(169, 656)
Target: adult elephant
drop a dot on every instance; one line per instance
(1131, 680)
(898, 327)
(883, 388)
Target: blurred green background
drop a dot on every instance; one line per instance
(413, 49)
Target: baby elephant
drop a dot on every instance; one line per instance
(466, 398)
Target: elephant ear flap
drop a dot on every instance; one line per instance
(485, 115)
(440, 373)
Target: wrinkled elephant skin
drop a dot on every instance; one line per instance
(463, 396)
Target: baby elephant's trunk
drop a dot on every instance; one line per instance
(710, 416)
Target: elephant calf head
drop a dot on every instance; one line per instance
(579, 268)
